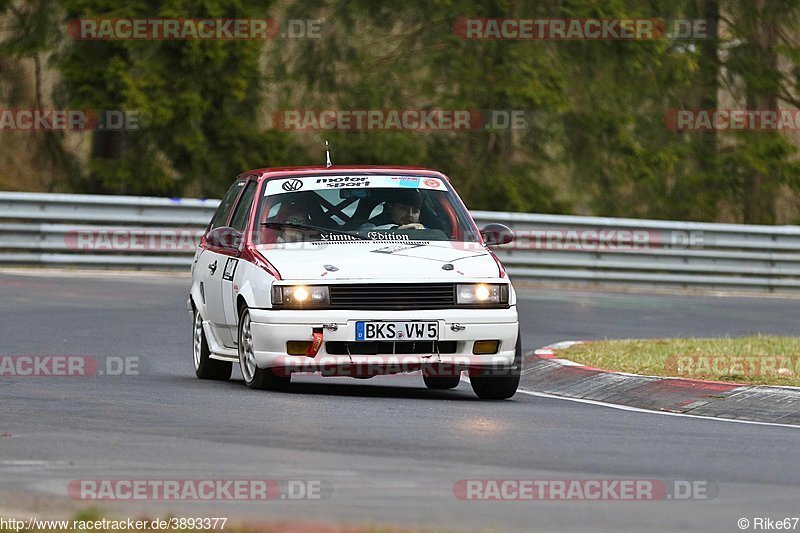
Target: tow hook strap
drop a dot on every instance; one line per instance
(316, 343)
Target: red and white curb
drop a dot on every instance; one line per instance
(547, 375)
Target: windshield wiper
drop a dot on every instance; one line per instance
(312, 227)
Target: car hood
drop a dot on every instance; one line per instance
(382, 260)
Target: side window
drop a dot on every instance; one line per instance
(225, 207)
(239, 219)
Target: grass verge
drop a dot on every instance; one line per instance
(758, 360)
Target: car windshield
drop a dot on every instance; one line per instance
(361, 207)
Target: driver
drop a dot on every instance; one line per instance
(291, 213)
(400, 212)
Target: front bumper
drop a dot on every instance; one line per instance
(272, 329)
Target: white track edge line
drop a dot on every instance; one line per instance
(619, 407)
(651, 411)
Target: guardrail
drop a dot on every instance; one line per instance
(650, 252)
(46, 229)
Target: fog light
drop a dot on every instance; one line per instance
(297, 347)
(485, 347)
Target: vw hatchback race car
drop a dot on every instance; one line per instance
(355, 271)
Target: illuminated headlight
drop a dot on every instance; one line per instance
(299, 296)
(481, 294)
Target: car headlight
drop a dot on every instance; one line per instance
(300, 296)
(481, 294)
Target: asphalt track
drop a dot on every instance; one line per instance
(390, 449)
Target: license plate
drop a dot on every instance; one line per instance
(397, 331)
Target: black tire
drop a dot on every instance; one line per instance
(204, 366)
(498, 383)
(441, 377)
(254, 377)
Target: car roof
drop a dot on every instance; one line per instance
(282, 172)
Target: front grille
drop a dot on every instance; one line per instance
(393, 296)
(386, 348)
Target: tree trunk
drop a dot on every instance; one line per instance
(106, 145)
(708, 85)
(760, 188)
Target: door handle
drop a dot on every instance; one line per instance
(213, 267)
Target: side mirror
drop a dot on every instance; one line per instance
(226, 239)
(497, 234)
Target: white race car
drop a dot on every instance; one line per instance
(354, 271)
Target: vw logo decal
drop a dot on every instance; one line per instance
(292, 185)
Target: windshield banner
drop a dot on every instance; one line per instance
(314, 183)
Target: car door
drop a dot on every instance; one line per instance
(229, 267)
(209, 269)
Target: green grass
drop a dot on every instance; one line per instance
(760, 360)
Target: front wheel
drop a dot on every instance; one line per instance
(498, 383)
(254, 377)
(204, 366)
